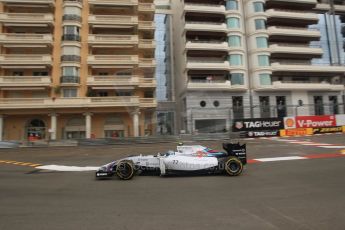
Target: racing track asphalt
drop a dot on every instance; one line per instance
(301, 194)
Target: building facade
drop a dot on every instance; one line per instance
(164, 54)
(76, 69)
(257, 58)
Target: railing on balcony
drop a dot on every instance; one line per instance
(148, 102)
(71, 17)
(113, 59)
(12, 103)
(114, 2)
(113, 80)
(147, 62)
(25, 80)
(26, 18)
(146, 25)
(147, 43)
(146, 7)
(50, 2)
(70, 79)
(26, 38)
(113, 19)
(71, 58)
(111, 39)
(22, 59)
(71, 37)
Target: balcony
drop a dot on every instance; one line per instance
(285, 34)
(147, 7)
(291, 4)
(105, 40)
(114, 2)
(52, 103)
(147, 44)
(113, 80)
(204, 8)
(304, 86)
(293, 50)
(26, 19)
(147, 25)
(214, 85)
(69, 80)
(14, 60)
(300, 67)
(207, 45)
(207, 64)
(206, 26)
(147, 83)
(26, 40)
(30, 2)
(25, 81)
(291, 17)
(113, 21)
(113, 60)
(71, 37)
(326, 7)
(147, 63)
(148, 102)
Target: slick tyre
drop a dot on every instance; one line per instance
(125, 170)
(233, 166)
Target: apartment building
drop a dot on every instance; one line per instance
(257, 58)
(76, 69)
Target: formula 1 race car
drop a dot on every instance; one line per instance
(187, 160)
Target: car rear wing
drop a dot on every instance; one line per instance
(236, 150)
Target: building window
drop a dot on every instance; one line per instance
(69, 92)
(233, 23)
(265, 79)
(260, 24)
(234, 41)
(202, 103)
(40, 73)
(232, 5)
(72, 13)
(18, 73)
(237, 107)
(318, 105)
(264, 60)
(235, 59)
(258, 7)
(261, 42)
(264, 106)
(237, 79)
(281, 106)
(70, 71)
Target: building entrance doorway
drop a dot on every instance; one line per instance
(35, 130)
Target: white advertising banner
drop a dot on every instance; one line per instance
(340, 119)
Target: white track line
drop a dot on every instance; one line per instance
(280, 159)
(63, 168)
(333, 147)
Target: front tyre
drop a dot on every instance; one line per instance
(233, 166)
(125, 170)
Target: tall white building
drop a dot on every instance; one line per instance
(256, 58)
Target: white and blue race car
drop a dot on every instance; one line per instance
(186, 160)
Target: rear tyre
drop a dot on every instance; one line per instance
(233, 166)
(125, 170)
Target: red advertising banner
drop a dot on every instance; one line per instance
(315, 121)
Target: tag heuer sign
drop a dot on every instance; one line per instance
(258, 124)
